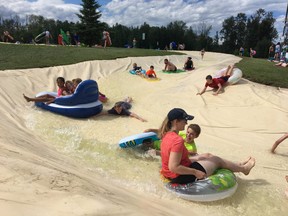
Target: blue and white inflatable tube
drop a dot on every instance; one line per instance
(134, 72)
(138, 139)
(83, 103)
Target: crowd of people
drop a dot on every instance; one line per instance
(276, 53)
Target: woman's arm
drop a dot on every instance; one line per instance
(152, 130)
(174, 166)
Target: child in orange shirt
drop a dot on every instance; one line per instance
(151, 73)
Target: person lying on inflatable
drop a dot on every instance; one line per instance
(137, 70)
(47, 98)
(176, 164)
(217, 83)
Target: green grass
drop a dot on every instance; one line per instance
(38, 56)
(263, 71)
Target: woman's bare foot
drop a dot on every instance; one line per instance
(248, 166)
(242, 163)
(26, 98)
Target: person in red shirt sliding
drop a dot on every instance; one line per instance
(217, 83)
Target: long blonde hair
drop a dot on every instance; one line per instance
(165, 127)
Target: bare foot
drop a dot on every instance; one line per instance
(128, 100)
(242, 163)
(26, 98)
(249, 165)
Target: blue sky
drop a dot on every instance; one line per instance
(153, 12)
(101, 2)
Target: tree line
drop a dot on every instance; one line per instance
(256, 31)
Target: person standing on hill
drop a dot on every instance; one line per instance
(241, 51)
(271, 52)
(252, 53)
(202, 52)
(277, 52)
(106, 39)
(47, 37)
(7, 37)
(134, 43)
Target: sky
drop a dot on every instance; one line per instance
(153, 12)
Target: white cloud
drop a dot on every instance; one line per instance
(192, 12)
(53, 9)
(153, 12)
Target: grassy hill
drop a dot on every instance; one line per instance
(37, 56)
(263, 71)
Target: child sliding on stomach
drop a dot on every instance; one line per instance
(217, 83)
(122, 108)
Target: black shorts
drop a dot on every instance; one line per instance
(184, 179)
(225, 78)
(126, 105)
